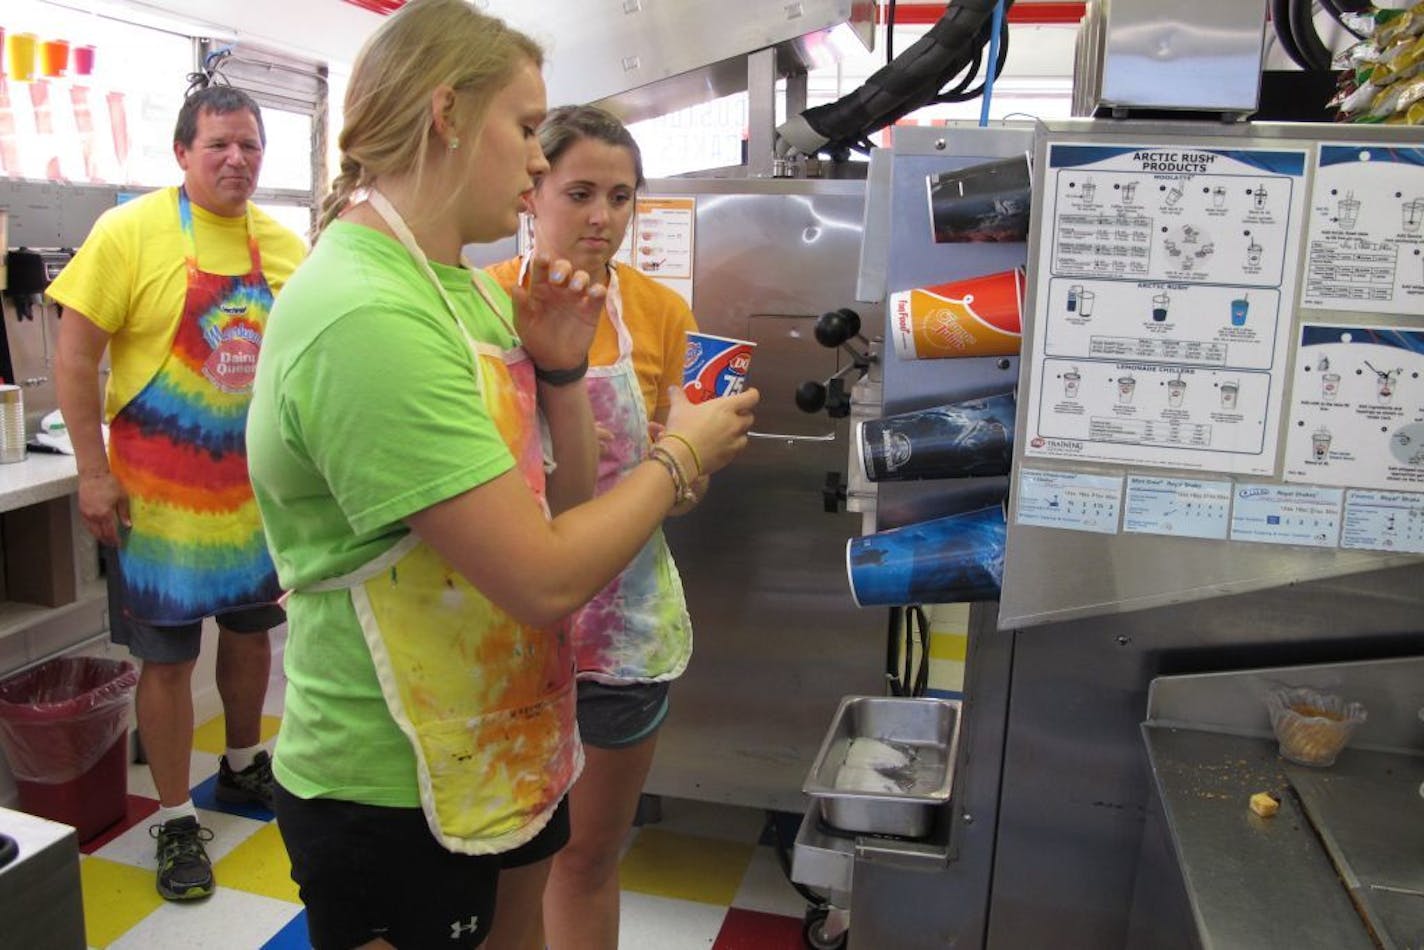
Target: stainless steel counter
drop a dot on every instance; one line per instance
(1339, 866)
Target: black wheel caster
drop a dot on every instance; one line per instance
(813, 931)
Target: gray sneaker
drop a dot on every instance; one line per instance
(184, 871)
(252, 784)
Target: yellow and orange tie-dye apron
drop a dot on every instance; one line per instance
(486, 702)
(179, 448)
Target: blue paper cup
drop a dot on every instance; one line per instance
(715, 366)
(956, 440)
(947, 560)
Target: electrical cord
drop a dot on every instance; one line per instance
(889, 32)
(960, 95)
(783, 857)
(1280, 22)
(1307, 38)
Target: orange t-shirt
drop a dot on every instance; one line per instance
(657, 319)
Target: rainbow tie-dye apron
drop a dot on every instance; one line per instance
(635, 630)
(486, 702)
(179, 448)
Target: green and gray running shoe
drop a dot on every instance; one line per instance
(252, 784)
(184, 871)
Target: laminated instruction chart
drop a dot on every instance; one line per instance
(1366, 242)
(1164, 290)
(1357, 419)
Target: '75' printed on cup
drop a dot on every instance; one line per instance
(715, 366)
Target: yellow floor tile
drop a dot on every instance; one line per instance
(259, 866)
(116, 897)
(211, 736)
(667, 864)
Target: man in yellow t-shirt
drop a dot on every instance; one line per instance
(177, 285)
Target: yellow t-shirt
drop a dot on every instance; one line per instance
(129, 279)
(657, 319)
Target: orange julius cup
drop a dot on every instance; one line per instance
(980, 316)
(715, 366)
(54, 57)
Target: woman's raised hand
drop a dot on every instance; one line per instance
(556, 311)
(716, 429)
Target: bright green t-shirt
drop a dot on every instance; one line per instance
(365, 411)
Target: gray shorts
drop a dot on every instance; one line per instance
(612, 717)
(180, 643)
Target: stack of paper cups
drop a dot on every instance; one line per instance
(947, 560)
(956, 440)
(12, 424)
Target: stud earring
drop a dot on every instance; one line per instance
(454, 142)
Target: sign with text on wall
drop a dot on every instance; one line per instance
(661, 239)
(1164, 290)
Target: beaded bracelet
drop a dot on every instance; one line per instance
(696, 459)
(667, 460)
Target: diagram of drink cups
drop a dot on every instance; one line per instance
(1320, 444)
(1160, 305)
(1174, 195)
(1330, 386)
(1126, 386)
(1258, 197)
(1240, 306)
(1348, 212)
(1071, 381)
(1413, 212)
(1129, 192)
(1218, 196)
(1176, 392)
(1253, 254)
(1090, 188)
(1075, 294)
(1229, 390)
(1086, 300)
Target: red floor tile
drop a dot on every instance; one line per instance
(753, 930)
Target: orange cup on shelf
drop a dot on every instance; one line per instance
(20, 56)
(54, 57)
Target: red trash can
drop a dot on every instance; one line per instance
(63, 728)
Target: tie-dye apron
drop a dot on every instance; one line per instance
(635, 630)
(486, 702)
(179, 448)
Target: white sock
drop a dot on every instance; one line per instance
(240, 759)
(167, 813)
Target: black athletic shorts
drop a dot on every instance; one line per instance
(366, 872)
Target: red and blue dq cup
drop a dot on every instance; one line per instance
(715, 366)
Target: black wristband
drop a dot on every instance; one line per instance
(561, 377)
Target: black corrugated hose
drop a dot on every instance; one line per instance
(914, 79)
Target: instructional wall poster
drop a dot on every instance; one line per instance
(1366, 246)
(1164, 291)
(1357, 416)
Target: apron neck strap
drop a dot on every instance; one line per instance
(190, 236)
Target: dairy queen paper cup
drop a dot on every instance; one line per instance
(715, 366)
(955, 440)
(981, 316)
(946, 560)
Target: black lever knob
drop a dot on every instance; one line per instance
(810, 396)
(837, 326)
(833, 493)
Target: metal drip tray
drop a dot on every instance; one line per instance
(1368, 813)
(902, 796)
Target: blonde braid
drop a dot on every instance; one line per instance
(342, 187)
